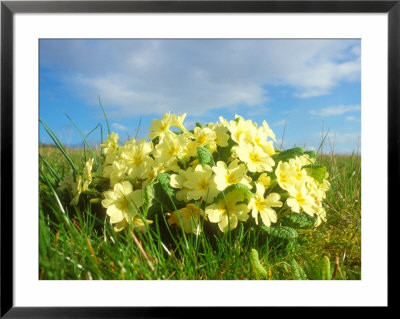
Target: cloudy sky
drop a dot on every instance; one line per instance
(306, 85)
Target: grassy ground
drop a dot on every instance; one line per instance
(79, 243)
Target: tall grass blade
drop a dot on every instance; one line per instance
(322, 142)
(59, 145)
(84, 138)
(105, 116)
(137, 131)
(51, 170)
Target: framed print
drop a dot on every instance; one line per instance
(164, 154)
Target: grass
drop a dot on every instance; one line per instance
(79, 242)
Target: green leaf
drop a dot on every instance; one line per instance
(199, 125)
(156, 198)
(84, 139)
(297, 271)
(317, 171)
(243, 189)
(285, 156)
(164, 179)
(312, 154)
(282, 232)
(301, 220)
(325, 268)
(205, 157)
(257, 267)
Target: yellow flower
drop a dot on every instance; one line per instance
(254, 157)
(268, 131)
(259, 138)
(136, 156)
(161, 127)
(110, 145)
(228, 211)
(241, 129)
(137, 223)
(170, 148)
(122, 204)
(202, 136)
(285, 175)
(118, 172)
(156, 168)
(76, 190)
(189, 217)
(262, 205)
(177, 121)
(321, 216)
(87, 174)
(200, 184)
(300, 200)
(178, 180)
(223, 121)
(265, 180)
(326, 185)
(221, 134)
(226, 176)
(300, 174)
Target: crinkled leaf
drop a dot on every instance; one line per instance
(317, 171)
(204, 156)
(297, 271)
(282, 232)
(301, 220)
(164, 179)
(156, 199)
(325, 268)
(285, 156)
(240, 188)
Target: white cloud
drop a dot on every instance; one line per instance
(352, 119)
(155, 76)
(119, 127)
(336, 110)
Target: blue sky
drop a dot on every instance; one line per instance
(307, 84)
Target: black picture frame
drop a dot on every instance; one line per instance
(9, 8)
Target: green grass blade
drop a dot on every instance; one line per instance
(51, 170)
(137, 131)
(105, 116)
(59, 145)
(84, 138)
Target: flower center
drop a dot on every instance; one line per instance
(173, 150)
(137, 160)
(231, 179)
(163, 127)
(300, 199)
(123, 205)
(254, 157)
(201, 139)
(259, 203)
(203, 185)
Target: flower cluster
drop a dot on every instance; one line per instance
(224, 173)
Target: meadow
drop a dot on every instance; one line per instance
(78, 242)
